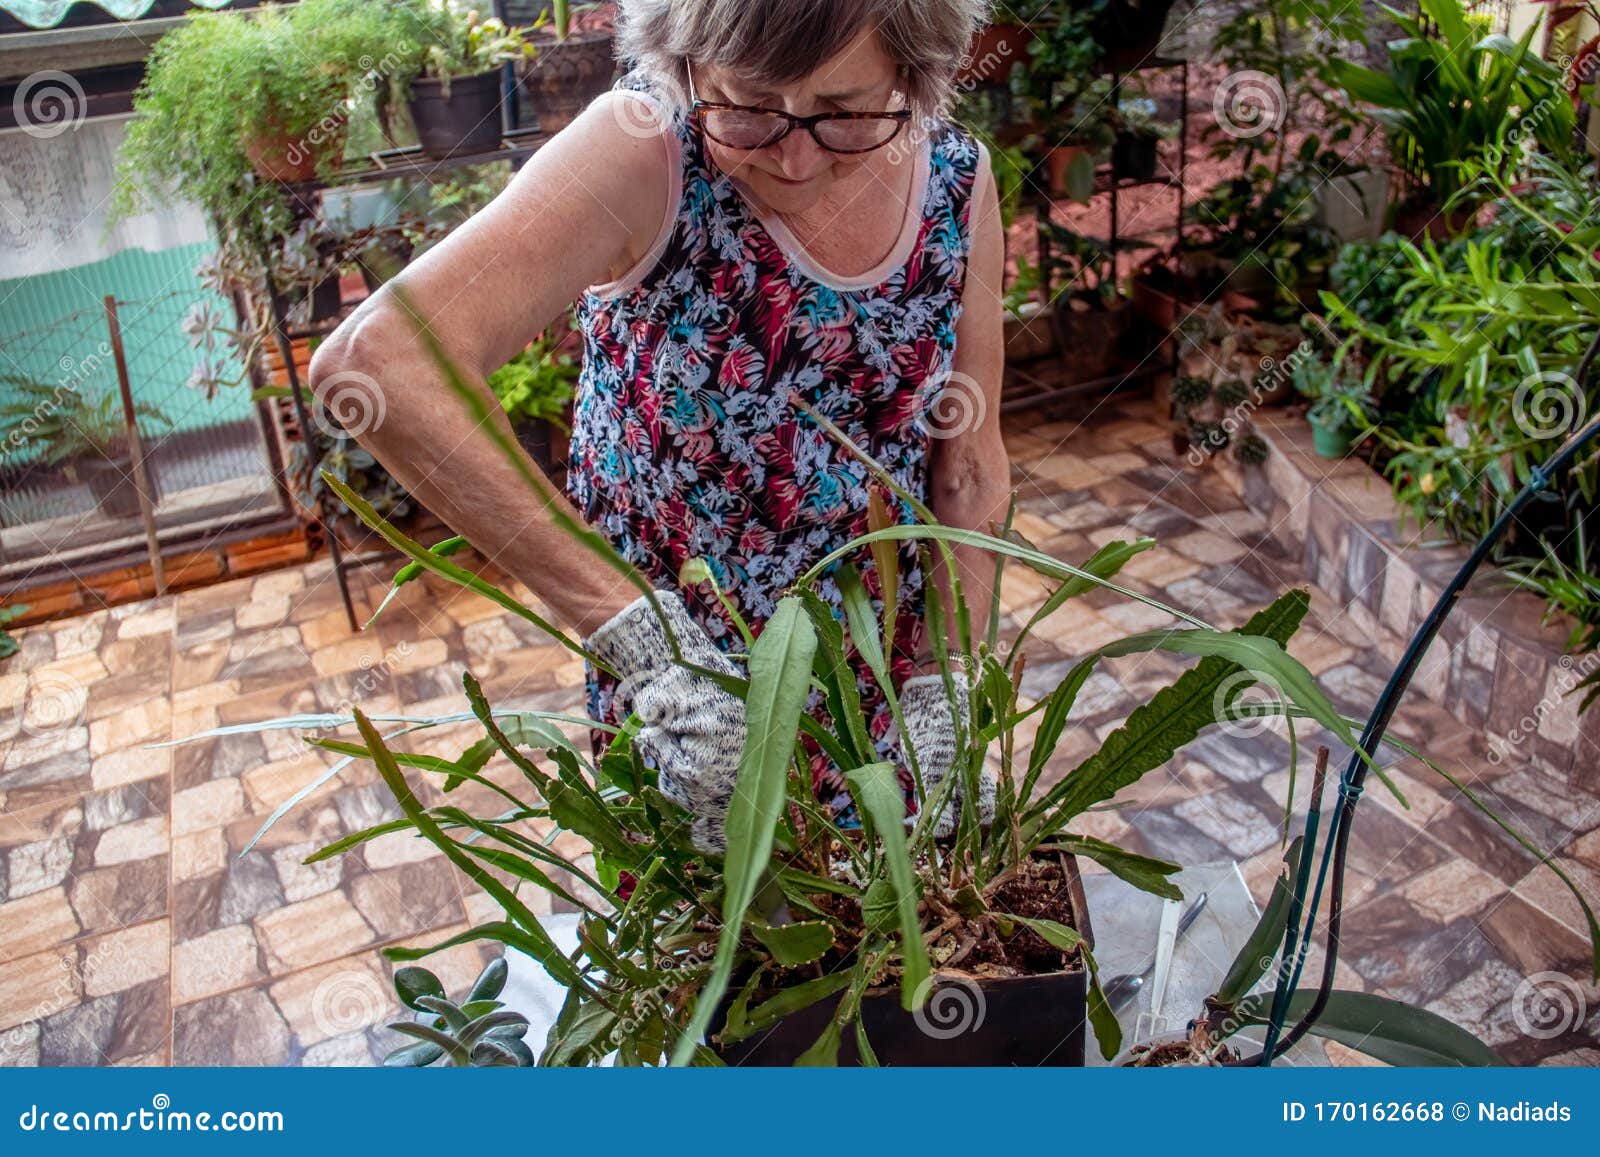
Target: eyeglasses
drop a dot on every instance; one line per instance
(740, 126)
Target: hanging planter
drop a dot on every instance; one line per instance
(456, 116)
(1133, 155)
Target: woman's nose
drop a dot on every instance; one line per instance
(798, 155)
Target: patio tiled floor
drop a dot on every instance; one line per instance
(132, 930)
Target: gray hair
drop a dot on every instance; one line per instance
(780, 41)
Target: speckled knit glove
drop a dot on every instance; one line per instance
(692, 730)
(932, 732)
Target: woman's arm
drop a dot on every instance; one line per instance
(585, 207)
(970, 479)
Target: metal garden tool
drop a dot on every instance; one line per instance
(1154, 1023)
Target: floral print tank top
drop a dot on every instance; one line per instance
(685, 444)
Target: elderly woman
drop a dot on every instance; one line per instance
(769, 207)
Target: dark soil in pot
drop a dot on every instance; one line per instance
(467, 120)
(564, 77)
(1012, 1002)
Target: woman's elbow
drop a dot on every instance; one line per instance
(349, 368)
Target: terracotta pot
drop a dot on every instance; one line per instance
(277, 155)
(565, 76)
(1057, 164)
(995, 49)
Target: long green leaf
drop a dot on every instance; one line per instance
(780, 680)
(1390, 1030)
(1172, 718)
(1261, 948)
(878, 788)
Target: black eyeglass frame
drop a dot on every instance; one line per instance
(698, 108)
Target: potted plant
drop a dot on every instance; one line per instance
(1453, 95)
(1139, 131)
(1093, 320)
(452, 78)
(576, 62)
(999, 45)
(1128, 31)
(684, 955)
(1068, 122)
(478, 1032)
(535, 389)
(1342, 411)
(87, 433)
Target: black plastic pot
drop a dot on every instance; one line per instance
(466, 121)
(564, 76)
(1025, 1020)
(111, 481)
(1134, 157)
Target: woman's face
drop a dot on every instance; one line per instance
(790, 176)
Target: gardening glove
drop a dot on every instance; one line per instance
(692, 730)
(931, 730)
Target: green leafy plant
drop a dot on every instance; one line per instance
(675, 944)
(480, 1032)
(1454, 95)
(8, 642)
(537, 384)
(1338, 402)
(70, 424)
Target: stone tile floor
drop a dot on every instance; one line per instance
(132, 931)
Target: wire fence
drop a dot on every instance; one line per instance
(68, 488)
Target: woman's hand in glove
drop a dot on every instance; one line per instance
(692, 730)
(930, 727)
